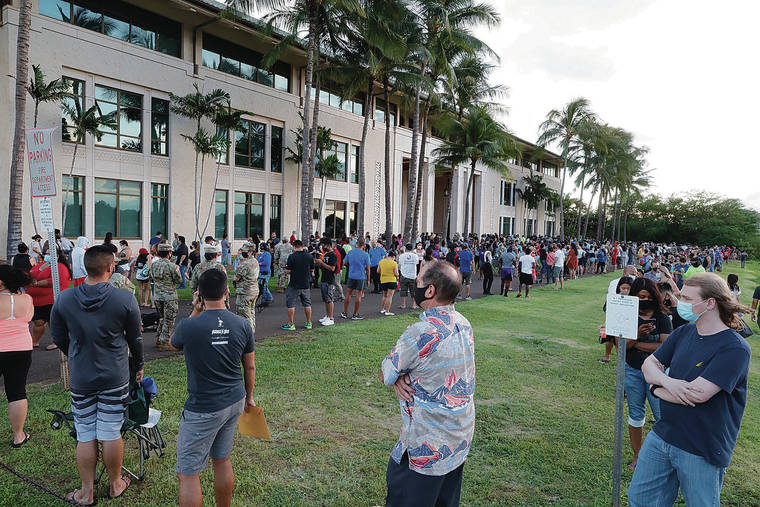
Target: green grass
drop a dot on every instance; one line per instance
(544, 426)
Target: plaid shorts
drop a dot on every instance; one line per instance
(99, 415)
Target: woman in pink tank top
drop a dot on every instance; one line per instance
(16, 310)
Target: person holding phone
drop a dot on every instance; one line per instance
(654, 328)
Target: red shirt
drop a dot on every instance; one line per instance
(42, 296)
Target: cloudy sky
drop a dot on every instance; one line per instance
(682, 75)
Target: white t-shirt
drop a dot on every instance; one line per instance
(559, 259)
(407, 264)
(526, 264)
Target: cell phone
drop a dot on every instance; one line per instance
(650, 321)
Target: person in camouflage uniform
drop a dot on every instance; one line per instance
(281, 253)
(120, 281)
(247, 284)
(209, 254)
(164, 274)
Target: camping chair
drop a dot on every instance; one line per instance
(141, 423)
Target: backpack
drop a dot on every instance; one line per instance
(145, 271)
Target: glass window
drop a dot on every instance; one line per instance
(210, 59)
(249, 145)
(159, 197)
(57, 9)
(249, 215)
(118, 208)
(74, 98)
(335, 219)
(87, 16)
(223, 158)
(159, 131)
(239, 61)
(354, 213)
(116, 21)
(275, 209)
(74, 187)
(220, 213)
(380, 112)
(276, 149)
(127, 109)
(354, 164)
(341, 151)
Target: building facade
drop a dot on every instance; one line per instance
(126, 58)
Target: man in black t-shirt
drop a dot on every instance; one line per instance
(300, 267)
(327, 261)
(182, 254)
(215, 342)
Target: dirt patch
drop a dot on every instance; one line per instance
(570, 343)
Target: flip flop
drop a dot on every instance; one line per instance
(52, 346)
(127, 481)
(631, 466)
(604, 360)
(16, 446)
(70, 498)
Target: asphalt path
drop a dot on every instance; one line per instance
(45, 363)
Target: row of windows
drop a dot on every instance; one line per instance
(335, 218)
(507, 226)
(507, 194)
(118, 209)
(120, 20)
(242, 62)
(329, 97)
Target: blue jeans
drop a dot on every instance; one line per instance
(267, 296)
(182, 270)
(226, 258)
(663, 468)
(636, 394)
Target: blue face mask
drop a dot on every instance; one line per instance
(686, 311)
(46, 258)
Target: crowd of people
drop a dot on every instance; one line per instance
(97, 322)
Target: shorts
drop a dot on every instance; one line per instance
(407, 286)
(292, 294)
(100, 415)
(408, 487)
(354, 284)
(506, 274)
(204, 435)
(14, 366)
(526, 279)
(388, 286)
(42, 312)
(557, 271)
(327, 292)
(467, 278)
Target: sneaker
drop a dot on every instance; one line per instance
(389, 314)
(307, 325)
(288, 327)
(468, 298)
(357, 317)
(382, 312)
(343, 315)
(328, 322)
(519, 294)
(324, 319)
(459, 297)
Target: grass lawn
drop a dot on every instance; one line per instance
(544, 407)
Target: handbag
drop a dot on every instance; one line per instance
(745, 331)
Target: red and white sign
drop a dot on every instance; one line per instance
(39, 149)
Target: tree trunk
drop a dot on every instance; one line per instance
(614, 214)
(307, 176)
(31, 199)
(66, 196)
(315, 117)
(562, 201)
(470, 179)
(362, 176)
(195, 189)
(625, 222)
(599, 212)
(388, 197)
(420, 173)
(16, 191)
(213, 202)
(588, 213)
(446, 229)
(580, 208)
(322, 203)
(411, 191)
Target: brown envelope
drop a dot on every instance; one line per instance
(253, 424)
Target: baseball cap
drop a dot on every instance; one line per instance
(143, 251)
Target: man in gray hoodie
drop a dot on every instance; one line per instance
(97, 325)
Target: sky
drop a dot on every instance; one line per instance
(682, 76)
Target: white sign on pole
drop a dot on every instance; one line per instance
(46, 214)
(622, 316)
(39, 148)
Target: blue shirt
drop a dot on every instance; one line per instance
(708, 429)
(465, 260)
(225, 247)
(265, 263)
(376, 255)
(358, 261)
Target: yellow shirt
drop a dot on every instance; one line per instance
(386, 268)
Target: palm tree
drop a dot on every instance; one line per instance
(89, 121)
(40, 91)
(16, 191)
(478, 138)
(199, 106)
(562, 126)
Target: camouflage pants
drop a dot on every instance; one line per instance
(282, 278)
(246, 308)
(167, 315)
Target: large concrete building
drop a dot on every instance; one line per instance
(126, 57)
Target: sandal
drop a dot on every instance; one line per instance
(52, 346)
(603, 360)
(127, 481)
(71, 498)
(17, 445)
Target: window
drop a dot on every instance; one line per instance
(550, 207)
(275, 209)
(159, 196)
(74, 98)
(223, 158)
(354, 164)
(353, 214)
(529, 226)
(507, 197)
(159, 131)
(249, 145)
(119, 20)
(340, 150)
(532, 166)
(118, 208)
(507, 225)
(380, 112)
(330, 97)
(275, 156)
(74, 187)
(249, 215)
(549, 228)
(335, 219)
(220, 213)
(549, 170)
(239, 61)
(126, 108)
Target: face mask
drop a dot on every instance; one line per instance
(419, 295)
(47, 258)
(647, 305)
(686, 311)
